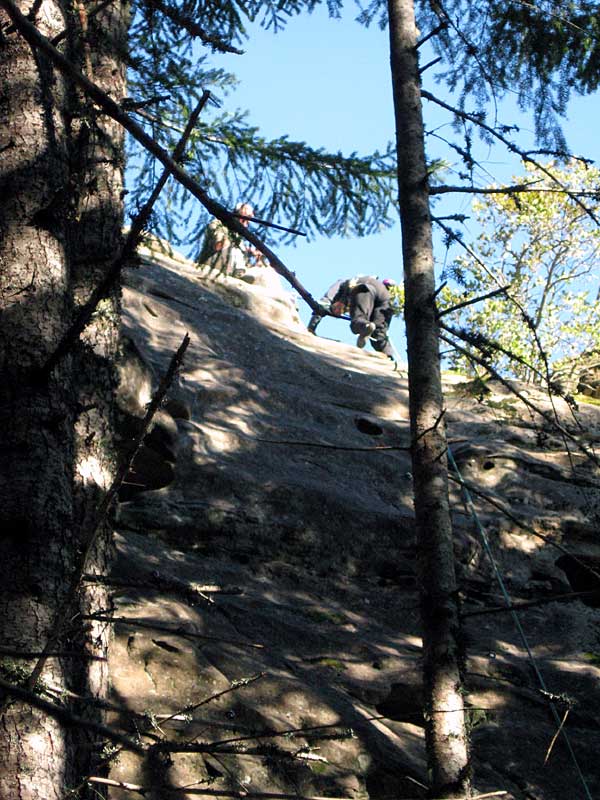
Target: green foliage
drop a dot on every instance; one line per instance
(397, 299)
(545, 248)
(538, 51)
(288, 182)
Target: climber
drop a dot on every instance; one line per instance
(225, 252)
(367, 300)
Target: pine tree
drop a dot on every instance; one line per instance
(61, 219)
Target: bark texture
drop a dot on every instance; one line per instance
(60, 222)
(445, 723)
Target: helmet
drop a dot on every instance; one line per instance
(388, 282)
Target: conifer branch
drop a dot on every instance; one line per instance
(477, 119)
(127, 252)
(192, 27)
(482, 343)
(110, 107)
(516, 189)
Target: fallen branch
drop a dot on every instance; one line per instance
(234, 686)
(244, 795)
(67, 718)
(332, 446)
(189, 789)
(166, 584)
(531, 603)
(179, 631)
(14, 653)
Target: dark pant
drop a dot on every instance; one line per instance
(364, 308)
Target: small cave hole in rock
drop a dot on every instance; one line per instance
(488, 464)
(367, 426)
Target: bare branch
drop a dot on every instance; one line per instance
(110, 107)
(67, 718)
(438, 29)
(143, 790)
(478, 120)
(332, 446)
(131, 242)
(174, 631)
(242, 795)
(473, 300)
(63, 613)
(270, 224)
(556, 598)
(532, 406)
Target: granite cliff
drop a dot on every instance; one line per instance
(264, 584)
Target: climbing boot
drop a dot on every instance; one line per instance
(367, 331)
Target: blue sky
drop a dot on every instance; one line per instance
(327, 82)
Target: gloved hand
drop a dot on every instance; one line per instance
(337, 308)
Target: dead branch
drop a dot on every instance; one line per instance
(532, 406)
(480, 341)
(63, 613)
(478, 120)
(168, 584)
(26, 654)
(108, 105)
(244, 795)
(519, 523)
(131, 242)
(331, 446)
(178, 631)
(522, 188)
(429, 64)
(556, 735)
(556, 598)
(480, 299)
(438, 29)
(67, 718)
(235, 685)
(270, 224)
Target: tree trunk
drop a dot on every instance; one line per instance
(444, 712)
(60, 220)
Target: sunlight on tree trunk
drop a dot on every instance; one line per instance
(445, 722)
(60, 225)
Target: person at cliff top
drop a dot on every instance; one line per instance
(225, 252)
(367, 300)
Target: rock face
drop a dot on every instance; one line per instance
(265, 595)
